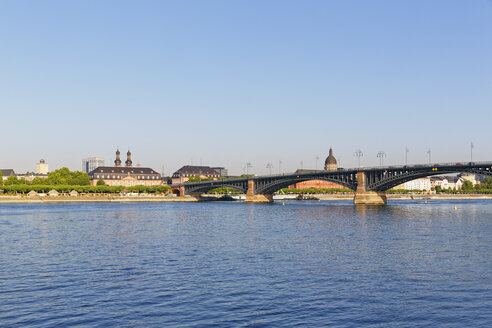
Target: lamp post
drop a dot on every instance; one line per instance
(248, 166)
(381, 154)
(302, 165)
(279, 165)
(406, 156)
(358, 153)
(429, 153)
(471, 151)
(269, 167)
(317, 158)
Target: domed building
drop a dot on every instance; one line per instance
(331, 162)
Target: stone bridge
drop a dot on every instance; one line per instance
(369, 184)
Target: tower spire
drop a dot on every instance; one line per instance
(117, 161)
(128, 162)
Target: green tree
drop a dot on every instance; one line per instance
(101, 182)
(467, 186)
(11, 180)
(64, 176)
(59, 177)
(1, 178)
(78, 178)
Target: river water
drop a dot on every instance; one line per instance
(305, 264)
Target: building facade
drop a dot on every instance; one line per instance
(91, 163)
(6, 173)
(188, 171)
(42, 167)
(417, 184)
(223, 172)
(316, 184)
(127, 176)
(447, 182)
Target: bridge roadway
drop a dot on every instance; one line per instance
(369, 184)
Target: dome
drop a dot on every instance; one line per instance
(42, 161)
(331, 162)
(330, 159)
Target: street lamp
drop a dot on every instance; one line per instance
(317, 158)
(269, 167)
(302, 164)
(381, 154)
(358, 154)
(248, 166)
(429, 153)
(471, 151)
(406, 156)
(279, 165)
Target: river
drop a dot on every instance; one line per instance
(302, 264)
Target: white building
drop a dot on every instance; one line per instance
(417, 184)
(91, 163)
(470, 177)
(448, 182)
(42, 167)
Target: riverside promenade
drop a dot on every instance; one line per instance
(146, 198)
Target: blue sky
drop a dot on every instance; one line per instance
(223, 83)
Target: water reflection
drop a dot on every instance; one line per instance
(305, 264)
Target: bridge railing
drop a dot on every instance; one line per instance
(365, 168)
(412, 166)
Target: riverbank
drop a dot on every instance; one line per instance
(408, 196)
(123, 199)
(88, 199)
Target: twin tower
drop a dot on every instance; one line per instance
(117, 161)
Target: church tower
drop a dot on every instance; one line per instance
(128, 162)
(117, 161)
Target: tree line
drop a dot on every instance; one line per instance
(64, 181)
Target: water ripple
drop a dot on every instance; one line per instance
(305, 264)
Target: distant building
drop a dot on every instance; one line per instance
(316, 184)
(30, 176)
(42, 167)
(188, 171)
(470, 177)
(417, 184)
(7, 173)
(331, 162)
(91, 163)
(222, 171)
(125, 176)
(447, 182)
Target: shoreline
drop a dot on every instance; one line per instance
(154, 199)
(94, 199)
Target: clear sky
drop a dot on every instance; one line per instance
(224, 83)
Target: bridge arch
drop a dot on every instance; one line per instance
(206, 188)
(276, 185)
(394, 178)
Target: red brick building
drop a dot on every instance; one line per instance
(330, 165)
(317, 184)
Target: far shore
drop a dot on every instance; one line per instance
(123, 199)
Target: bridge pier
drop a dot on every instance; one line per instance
(179, 191)
(367, 197)
(251, 197)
